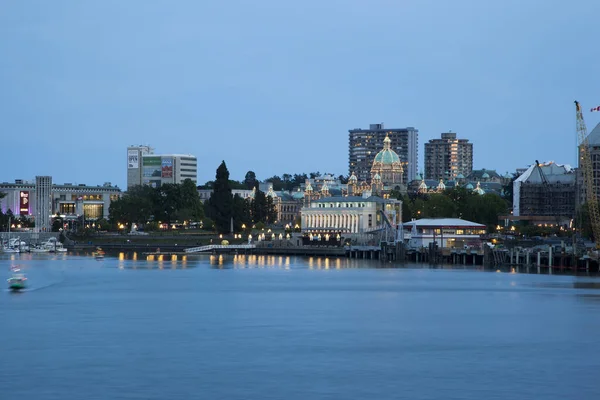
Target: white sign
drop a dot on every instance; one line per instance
(132, 159)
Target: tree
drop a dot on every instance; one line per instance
(221, 200)
(241, 213)
(250, 180)
(259, 207)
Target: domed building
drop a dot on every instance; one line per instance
(387, 170)
(388, 165)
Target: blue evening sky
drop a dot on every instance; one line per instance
(273, 86)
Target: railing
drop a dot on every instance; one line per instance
(219, 246)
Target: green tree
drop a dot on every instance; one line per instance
(259, 207)
(250, 180)
(241, 213)
(220, 203)
(439, 206)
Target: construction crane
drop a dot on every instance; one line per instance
(585, 163)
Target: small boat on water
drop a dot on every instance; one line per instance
(17, 281)
(98, 254)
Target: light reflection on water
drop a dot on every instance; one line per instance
(285, 327)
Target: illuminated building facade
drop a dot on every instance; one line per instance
(365, 144)
(448, 158)
(42, 199)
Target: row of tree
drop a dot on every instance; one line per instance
(454, 203)
(228, 211)
(167, 203)
(283, 182)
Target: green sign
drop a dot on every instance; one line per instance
(152, 161)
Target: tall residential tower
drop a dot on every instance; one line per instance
(364, 144)
(448, 157)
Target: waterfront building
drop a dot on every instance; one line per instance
(146, 168)
(351, 215)
(593, 139)
(444, 232)
(448, 157)
(42, 200)
(365, 144)
(545, 194)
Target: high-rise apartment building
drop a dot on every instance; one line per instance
(146, 168)
(364, 144)
(448, 157)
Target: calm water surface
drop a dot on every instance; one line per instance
(292, 328)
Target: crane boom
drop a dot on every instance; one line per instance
(585, 163)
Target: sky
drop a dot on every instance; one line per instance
(274, 86)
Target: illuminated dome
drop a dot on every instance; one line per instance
(478, 189)
(353, 179)
(308, 187)
(441, 185)
(387, 165)
(271, 193)
(253, 194)
(377, 177)
(423, 186)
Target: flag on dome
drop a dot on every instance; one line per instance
(595, 109)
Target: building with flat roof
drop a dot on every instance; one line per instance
(444, 232)
(146, 168)
(448, 157)
(41, 200)
(365, 144)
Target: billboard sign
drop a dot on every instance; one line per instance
(151, 167)
(24, 203)
(133, 161)
(167, 167)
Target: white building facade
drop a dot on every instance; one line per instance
(146, 168)
(350, 215)
(445, 232)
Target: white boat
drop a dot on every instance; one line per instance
(54, 246)
(9, 246)
(17, 281)
(37, 249)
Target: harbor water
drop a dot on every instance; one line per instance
(264, 327)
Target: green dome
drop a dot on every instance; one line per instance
(387, 157)
(485, 175)
(298, 195)
(460, 176)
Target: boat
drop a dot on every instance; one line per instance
(17, 281)
(9, 246)
(39, 249)
(99, 253)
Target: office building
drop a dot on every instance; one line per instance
(448, 158)
(365, 144)
(146, 168)
(42, 200)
